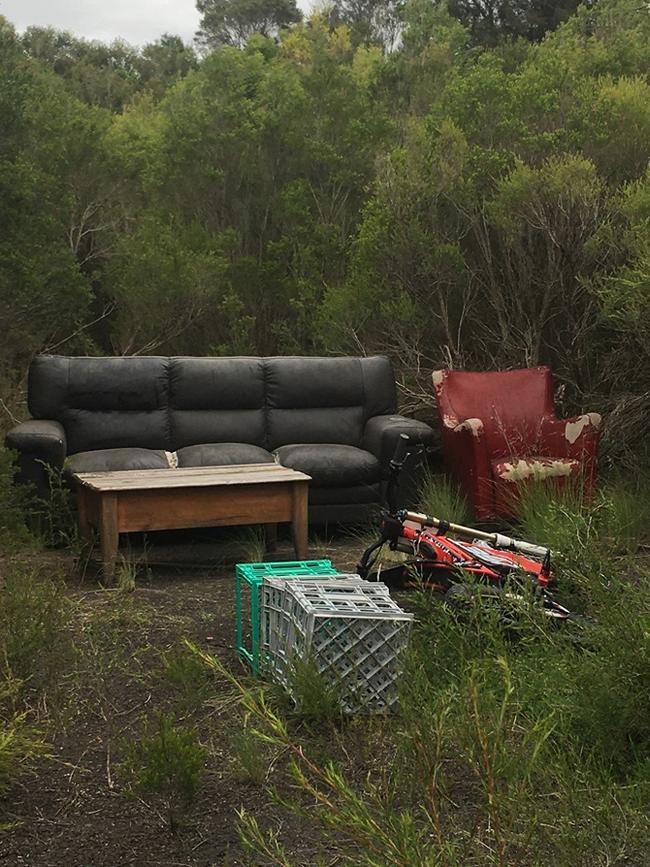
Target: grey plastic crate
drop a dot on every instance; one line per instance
(353, 632)
(276, 617)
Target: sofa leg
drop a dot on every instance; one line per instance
(271, 538)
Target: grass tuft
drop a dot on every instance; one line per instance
(35, 632)
(441, 497)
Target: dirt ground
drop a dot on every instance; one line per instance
(77, 810)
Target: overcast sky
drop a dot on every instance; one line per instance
(137, 21)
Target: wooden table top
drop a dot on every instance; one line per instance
(189, 477)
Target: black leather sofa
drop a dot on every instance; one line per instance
(333, 418)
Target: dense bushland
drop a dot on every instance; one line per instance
(444, 201)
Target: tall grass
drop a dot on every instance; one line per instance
(615, 521)
(440, 496)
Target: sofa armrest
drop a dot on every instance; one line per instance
(43, 439)
(382, 433)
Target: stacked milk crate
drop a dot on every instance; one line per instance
(349, 629)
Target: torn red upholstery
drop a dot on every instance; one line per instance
(499, 429)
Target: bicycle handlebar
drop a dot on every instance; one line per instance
(401, 452)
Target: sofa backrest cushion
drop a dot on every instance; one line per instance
(217, 400)
(170, 403)
(103, 402)
(325, 400)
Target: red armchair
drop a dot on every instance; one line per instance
(500, 429)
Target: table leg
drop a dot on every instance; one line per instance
(299, 523)
(109, 534)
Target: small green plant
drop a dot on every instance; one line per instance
(257, 842)
(316, 700)
(131, 565)
(556, 515)
(253, 544)
(21, 743)
(56, 516)
(192, 682)
(243, 545)
(249, 755)
(628, 522)
(167, 763)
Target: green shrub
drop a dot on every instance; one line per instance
(608, 708)
(487, 766)
(126, 570)
(14, 503)
(167, 763)
(510, 747)
(35, 631)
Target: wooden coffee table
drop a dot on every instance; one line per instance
(172, 499)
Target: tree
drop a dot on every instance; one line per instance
(371, 21)
(489, 20)
(233, 22)
(47, 137)
(164, 62)
(100, 75)
(162, 280)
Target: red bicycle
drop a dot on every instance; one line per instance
(456, 561)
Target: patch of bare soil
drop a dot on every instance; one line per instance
(78, 809)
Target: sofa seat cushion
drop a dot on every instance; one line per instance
(100, 460)
(222, 454)
(331, 465)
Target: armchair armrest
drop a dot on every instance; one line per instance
(42, 439)
(576, 437)
(382, 432)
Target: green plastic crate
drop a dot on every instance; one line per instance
(251, 576)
